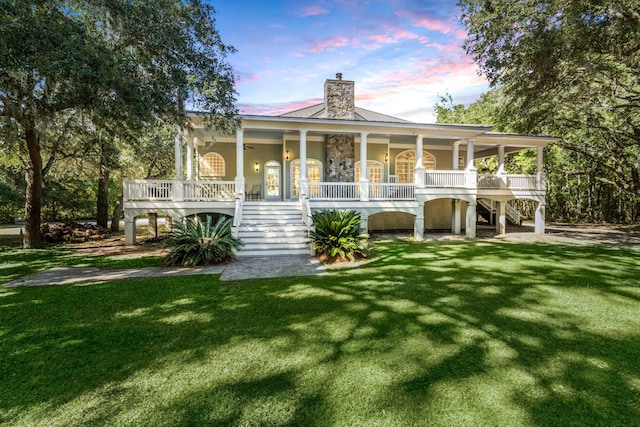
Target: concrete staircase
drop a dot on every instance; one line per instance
(272, 228)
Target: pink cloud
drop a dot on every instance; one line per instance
(313, 10)
(329, 43)
(433, 24)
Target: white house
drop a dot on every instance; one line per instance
(276, 170)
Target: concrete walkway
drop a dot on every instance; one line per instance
(241, 269)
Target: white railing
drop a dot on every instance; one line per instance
(209, 190)
(526, 182)
(390, 191)
(490, 181)
(445, 179)
(333, 190)
(148, 189)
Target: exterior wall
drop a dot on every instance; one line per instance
(261, 153)
(228, 152)
(437, 214)
(443, 158)
(375, 152)
(339, 159)
(315, 150)
(388, 221)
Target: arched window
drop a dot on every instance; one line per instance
(406, 163)
(212, 164)
(314, 173)
(375, 169)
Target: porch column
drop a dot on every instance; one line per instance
(471, 220)
(178, 153)
(239, 163)
(501, 214)
(304, 179)
(456, 216)
(364, 180)
(129, 231)
(539, 225)
(418, 224)
(190, 144)
(418, 177)
(540, 167)
(501, 173)
(470, 154)
(454, 156)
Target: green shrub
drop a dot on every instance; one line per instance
(197, 242)
(337, 235)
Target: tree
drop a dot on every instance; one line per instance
(567, 68)
(128, 61)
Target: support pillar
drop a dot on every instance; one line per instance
(470, 155)
(501, 217)
(364, 225)
(239, 164)
(168, 224)
(454, 156)
(153, 225)
(129, 231)
(178, 154)
(304, 179)
(418, 224)
(540, 221)
(364, 176)
(470, 231)
(190, 145)
(418, 177)
(540, 168)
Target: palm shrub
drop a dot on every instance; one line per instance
(337, 235)
(197, 242)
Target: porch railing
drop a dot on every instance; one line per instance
(209, 190)
(511, 182)
(148, 189)
(445, 179)
(333, 190)
(391, 191)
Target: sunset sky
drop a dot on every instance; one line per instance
(401, 53)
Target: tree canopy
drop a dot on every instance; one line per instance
(567, 68)
(124, 62)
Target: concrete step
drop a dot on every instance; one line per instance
(267, 221)
(267, 246)
(273, 228)
(294, 240)
(274, 252)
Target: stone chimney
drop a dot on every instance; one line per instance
(339, 98)
(339, 149)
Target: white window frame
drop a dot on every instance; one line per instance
(431, 165)
(224, 165)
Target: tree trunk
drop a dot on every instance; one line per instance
(102, 203)
(33, 202)
(117, 213)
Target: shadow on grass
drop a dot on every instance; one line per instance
(452, 333)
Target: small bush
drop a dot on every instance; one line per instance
(197, 242)
(337, 235)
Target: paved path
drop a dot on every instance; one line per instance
(241, 269)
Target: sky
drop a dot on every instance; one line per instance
(402, 54)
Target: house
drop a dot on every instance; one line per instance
(397, 174)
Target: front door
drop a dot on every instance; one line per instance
(272, 179)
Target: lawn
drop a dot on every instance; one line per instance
(478, 333)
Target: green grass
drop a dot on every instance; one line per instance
(426, 334)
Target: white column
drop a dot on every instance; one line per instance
(471, 220)
(470, 154)
(178, 154)
(539, 225)
(500, 159)
(304, 179)
(190, 144)
(501, 214)
(418, 177)
(129, 231)
(197, 155)
(152, 225)
(454, 156)
(364, 176)
(540, 168)
(418, 224)
(239, 163)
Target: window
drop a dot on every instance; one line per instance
(314, 173)
(375, 170)
(212, 164)
(406, 163)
